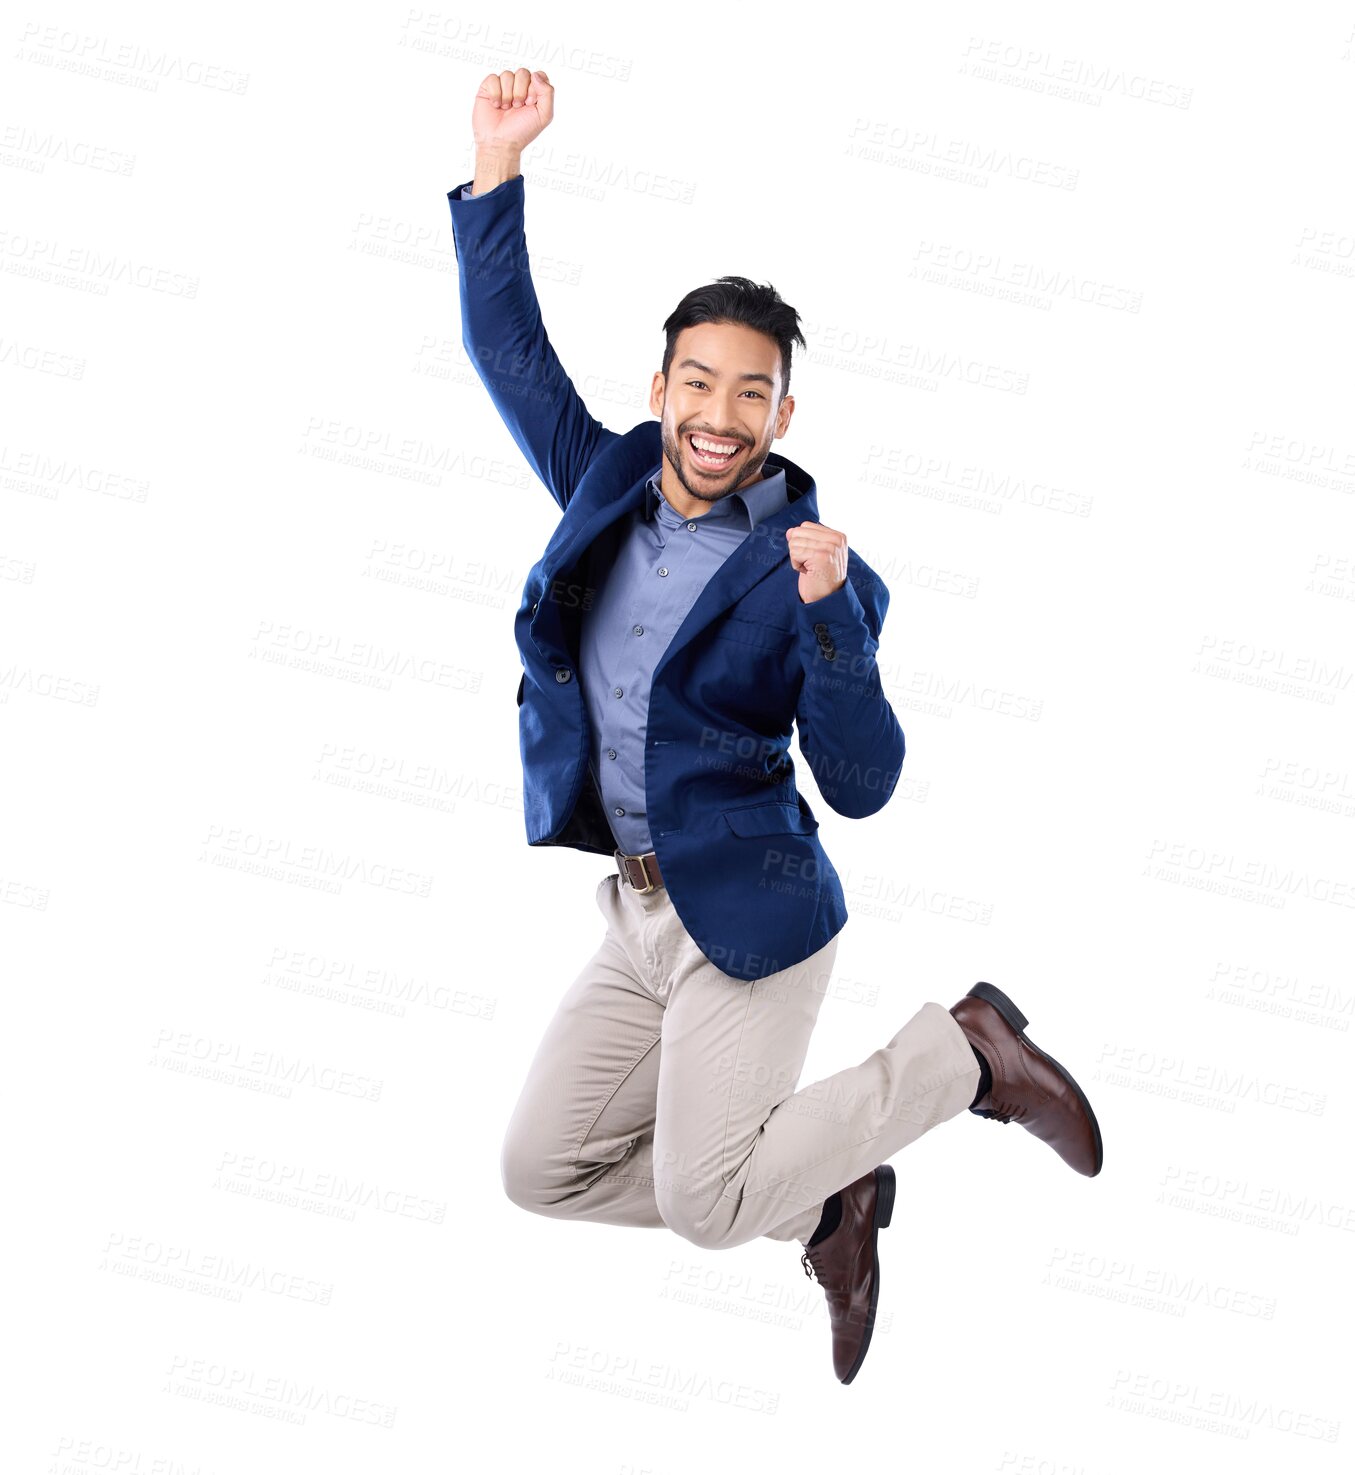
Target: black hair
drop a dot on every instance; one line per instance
(737, 300)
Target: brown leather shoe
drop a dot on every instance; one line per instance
(1029, 1087)
(846, 1265)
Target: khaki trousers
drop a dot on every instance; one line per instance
(663, 1092)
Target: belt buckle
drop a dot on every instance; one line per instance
(644, 871)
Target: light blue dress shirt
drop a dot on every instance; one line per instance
(663, 562)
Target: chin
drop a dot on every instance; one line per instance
(700, 486)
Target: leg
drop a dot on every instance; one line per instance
(580, 1142)
(738, 1151)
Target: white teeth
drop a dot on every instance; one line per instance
(711, 448)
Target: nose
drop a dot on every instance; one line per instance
(723, 416)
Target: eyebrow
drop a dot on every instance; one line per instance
(715, 373)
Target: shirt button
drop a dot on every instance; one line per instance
(611, 752)
(618, 810)
(562, 675)
(616, 691)
(663, 573)
(639, 629)
(691, 527)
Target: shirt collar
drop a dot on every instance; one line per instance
(759, 500)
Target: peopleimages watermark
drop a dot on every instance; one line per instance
(484, 41)
(648, 1381)
(1298, 458)
(273, 1395)
(1253, 1204)
(1071, 77)
(206, 1272)
(989, 274)
(749, 1297)
(1149, 1287)
(383, 988)
(41, 360)
(32, 148)
(927, 151)
(89, 268)
(271, 1070)
(1283, 995)
(331, 1193)
(1162, 1074)
(1311, 678)
(277, 857)
(1202, 868)
(46, 474)
(122, 61)
(937, 477)
(1219, 1410)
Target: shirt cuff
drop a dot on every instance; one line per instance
(463, 191)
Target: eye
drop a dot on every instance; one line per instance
(694, 382)
(756, 392)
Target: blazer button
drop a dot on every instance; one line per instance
(562, 674)
(533, 606)
(819, 628)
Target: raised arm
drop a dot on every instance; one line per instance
(501, 323)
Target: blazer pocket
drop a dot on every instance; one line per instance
(755, 632)
(778, 817)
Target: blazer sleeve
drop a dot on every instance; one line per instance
(506, 340)
(848, 732)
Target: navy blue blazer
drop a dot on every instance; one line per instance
(736, 841)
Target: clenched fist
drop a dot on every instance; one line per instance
(511, 108)
(818, 554)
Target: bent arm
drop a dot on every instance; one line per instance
(848, 732)
(503, 333)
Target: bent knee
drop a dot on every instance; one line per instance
(522, 1171)
(703, 1219)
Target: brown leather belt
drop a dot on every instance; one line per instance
(642, 871)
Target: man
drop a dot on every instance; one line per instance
(688, 609)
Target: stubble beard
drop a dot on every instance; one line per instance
(672, 450)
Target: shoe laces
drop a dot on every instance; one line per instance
(837, 1297)
(1003, 1112)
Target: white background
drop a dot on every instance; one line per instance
(1078, 292)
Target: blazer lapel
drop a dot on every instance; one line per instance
(626, 464)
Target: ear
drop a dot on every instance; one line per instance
(656, 389)
(783, 413)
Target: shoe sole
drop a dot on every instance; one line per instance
(884, 1212)
(1018, 1021)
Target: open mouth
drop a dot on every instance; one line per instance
(712, 452)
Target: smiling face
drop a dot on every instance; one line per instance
(720, 409)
